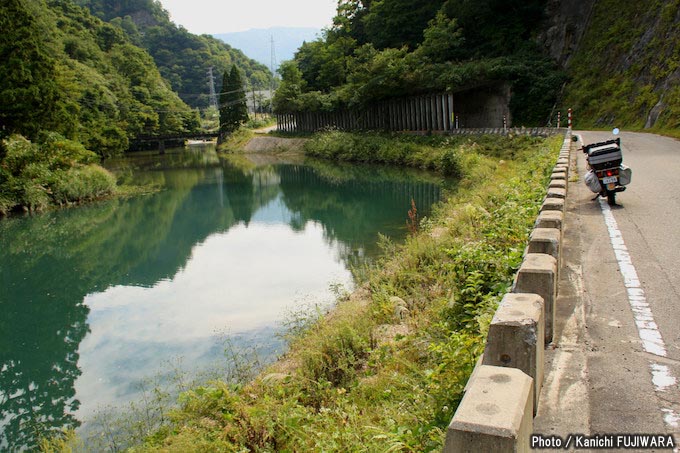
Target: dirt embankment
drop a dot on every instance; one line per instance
(260, 144)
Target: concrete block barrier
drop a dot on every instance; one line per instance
(557, 193)
(545, 240)
(559, 170)
(548, 241)
(538, 275)
(496, 413)
(516, 337)
(501, 396)
(553, 204)
(559, 174)
(557, 184)
(550, 219)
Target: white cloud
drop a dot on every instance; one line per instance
(214, 16)
(239, 282)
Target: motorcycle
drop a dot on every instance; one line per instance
(607, 175)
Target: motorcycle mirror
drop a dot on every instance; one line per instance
(616, 131)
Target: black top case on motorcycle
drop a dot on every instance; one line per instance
(604, 155)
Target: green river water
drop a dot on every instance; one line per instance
(96, 299)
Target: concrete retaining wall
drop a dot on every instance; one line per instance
(496, 413)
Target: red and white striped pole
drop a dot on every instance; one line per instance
(569, 112)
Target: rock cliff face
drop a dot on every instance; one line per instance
(623, 60)
(567, 21)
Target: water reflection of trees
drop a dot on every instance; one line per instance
(354, 210)
(49, 263)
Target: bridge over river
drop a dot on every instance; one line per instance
(172, 138)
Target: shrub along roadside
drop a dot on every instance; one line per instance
(447, 155)
(385, 370)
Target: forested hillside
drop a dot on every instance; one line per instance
(379, 49)
(72, 87)
(66, 71)
(182, 58)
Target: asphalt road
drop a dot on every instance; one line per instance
(615, 364)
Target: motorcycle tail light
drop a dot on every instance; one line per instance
(610, 173)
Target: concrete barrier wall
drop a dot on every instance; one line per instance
(496, 413)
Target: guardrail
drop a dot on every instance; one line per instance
(501, 397)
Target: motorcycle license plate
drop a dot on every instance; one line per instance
(609, 180)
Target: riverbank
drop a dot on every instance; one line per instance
(386, 368)
(51, 172)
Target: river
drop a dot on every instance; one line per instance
(101, 303)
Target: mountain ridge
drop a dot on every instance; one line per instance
(256, 42)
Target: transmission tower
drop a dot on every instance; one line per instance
(272, 68)
(211, 85)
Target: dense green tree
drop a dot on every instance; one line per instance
(324, 63)
(441, 39)
(397, 23)
(379, 74)
(349, 20)
(29, 93)
(233, 108)
(496, 27)
(286, 97)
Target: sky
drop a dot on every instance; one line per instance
(225, 16)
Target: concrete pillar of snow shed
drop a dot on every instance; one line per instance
(516, 337)
(496, 413)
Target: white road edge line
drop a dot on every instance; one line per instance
(649, 333)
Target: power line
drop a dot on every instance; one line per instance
(206, 95)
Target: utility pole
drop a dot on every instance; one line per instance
(254, 106)
(272, 68)
(211, 85)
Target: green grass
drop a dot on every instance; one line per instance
(446, 155)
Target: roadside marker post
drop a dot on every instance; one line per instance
(569, 119)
